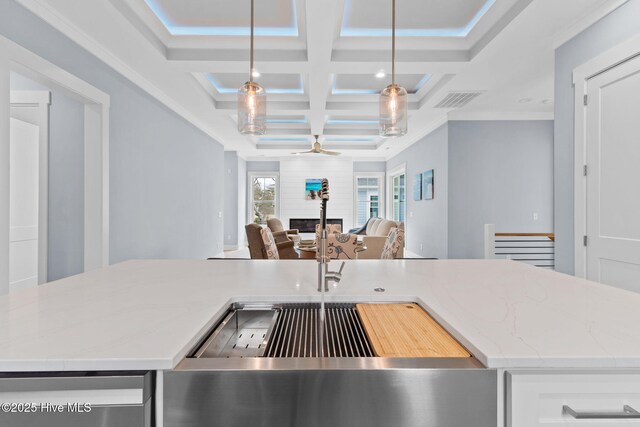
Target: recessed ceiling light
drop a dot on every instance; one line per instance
(547, 101)
(524, 100)
(255, 74)
(380, 74)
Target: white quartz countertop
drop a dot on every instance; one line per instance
(149, 314)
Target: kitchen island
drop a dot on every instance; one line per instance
(534, 327)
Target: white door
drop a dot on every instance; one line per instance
(613, 178)
(23, 209)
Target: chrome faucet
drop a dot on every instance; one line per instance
(332, 276)
(324, 275)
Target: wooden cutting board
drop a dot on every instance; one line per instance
(406, 330)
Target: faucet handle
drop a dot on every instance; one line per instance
(341, 268)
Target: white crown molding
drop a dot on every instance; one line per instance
(30, 97)
(588, 20)
(49, 15)
(424, 132)
(498, 116)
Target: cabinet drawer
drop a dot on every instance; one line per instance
(603, 399)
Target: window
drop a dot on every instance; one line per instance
(263, 197)
(397, 192)
(369, 197)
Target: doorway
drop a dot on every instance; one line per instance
(396, 189)
(610, 207)
(95, 103)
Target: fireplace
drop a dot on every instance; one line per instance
(308, 225)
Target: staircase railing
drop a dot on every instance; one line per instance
(537, 249)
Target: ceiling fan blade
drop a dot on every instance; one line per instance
(304, 152)
(330, 153)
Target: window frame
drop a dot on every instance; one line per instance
(250, 177)
(381, 191)
(391, 174)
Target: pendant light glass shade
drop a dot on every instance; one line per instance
(393, 111)
(252, 109)
(393, 99)
(252, 100)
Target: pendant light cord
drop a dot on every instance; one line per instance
(393, 42)
(251, 55)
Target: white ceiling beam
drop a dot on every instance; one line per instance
(267, 55)
(214, 66)
(320, 26)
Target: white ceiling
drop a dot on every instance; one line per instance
(318, 61)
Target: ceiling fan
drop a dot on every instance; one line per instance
(317, 149)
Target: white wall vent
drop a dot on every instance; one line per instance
(458, 99)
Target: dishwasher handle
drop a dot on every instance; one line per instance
(627, 413)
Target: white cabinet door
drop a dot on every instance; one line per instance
(23, 199)
(613, 190)
(537, 399)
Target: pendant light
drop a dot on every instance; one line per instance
(252, 101)
(393, 99)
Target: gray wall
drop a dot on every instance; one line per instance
(603, 35)
(500, 172)
(166, 176)
(66, 181)
(66, 187)
(427, 220)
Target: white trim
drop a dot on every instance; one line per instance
(40, 100)
(30, 98)
(381, 189)
(424, 132)
(97, 105)
(5, 114)
(498, 116)
(615, 56)
(391, 173)
(489, 241)
(587, 21)
(250, 176)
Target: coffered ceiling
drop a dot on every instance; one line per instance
(324, 62)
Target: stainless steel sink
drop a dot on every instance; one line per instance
(244, 332)
(287, 330)
(264, 363)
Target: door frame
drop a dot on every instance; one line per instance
(395, 171)
(14, 57)
(609, 59)
(40, 101)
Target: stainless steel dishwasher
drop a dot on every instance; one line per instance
(77, 399)
(263, 365)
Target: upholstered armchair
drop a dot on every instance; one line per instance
(275, 225)
(342, 246)
(331, 229)
(257, 248)
(394, 244)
